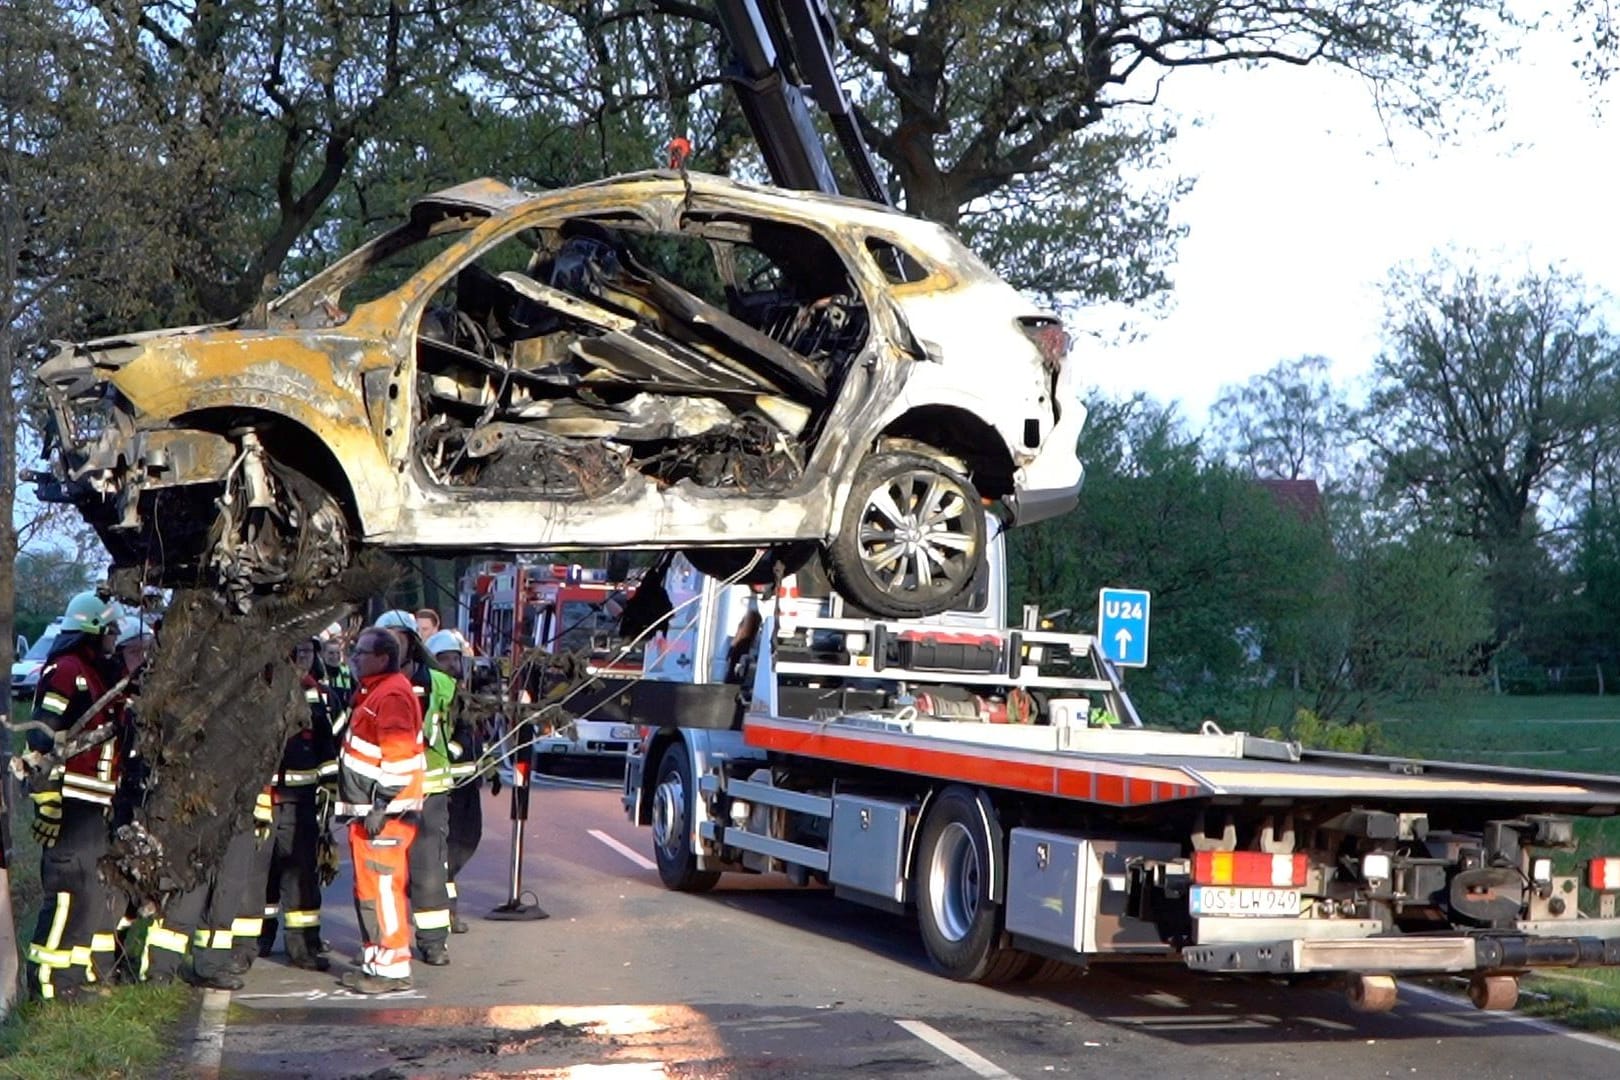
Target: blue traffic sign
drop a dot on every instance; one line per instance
(1122, 625)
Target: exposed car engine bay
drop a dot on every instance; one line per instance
(564, 377)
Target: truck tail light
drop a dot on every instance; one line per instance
(1050, 339)
(1250, 869)
(1603, 875)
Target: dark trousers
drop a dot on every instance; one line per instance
(200, 921)
(466, 829)
(75, 939)
(429, 887)
(293, 892)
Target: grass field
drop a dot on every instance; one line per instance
(1544, 733)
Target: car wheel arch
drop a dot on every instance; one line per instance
(290, 440)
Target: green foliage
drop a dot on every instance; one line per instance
(46, 580)
(1230, 569)
(1315, 733)
(1491, 400)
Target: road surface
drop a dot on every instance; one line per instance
(759, 979)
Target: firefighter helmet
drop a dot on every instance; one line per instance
(398, 619)
(88, 613)
(442, 642)
(131, 628)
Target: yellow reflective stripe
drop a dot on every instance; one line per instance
(53, 702)
(272, 911)
(431, 920)
(212, 939)
(40, 956)
(50, 811)
(159, 936)
(104, 764)
(81, 955)
(312, 695)
(247, 926)
(103, 942)
(450, 889)
(89, 783)
(81, 683)
(64, 901)
(328, 768)
(302, 920)
(299, 778)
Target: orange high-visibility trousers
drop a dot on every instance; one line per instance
(381, 872)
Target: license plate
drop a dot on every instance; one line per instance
(624, 731)
(1225, 900)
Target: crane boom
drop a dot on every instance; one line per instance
(781, 61)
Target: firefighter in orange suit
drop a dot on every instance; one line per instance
(73, 948)
(380, 792)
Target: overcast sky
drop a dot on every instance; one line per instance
(1302, 207)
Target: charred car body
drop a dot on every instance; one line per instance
(658, 360)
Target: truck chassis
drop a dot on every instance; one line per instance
(862, 758)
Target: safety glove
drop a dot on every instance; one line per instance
(378, 816)
(47, 827)
(326, 859)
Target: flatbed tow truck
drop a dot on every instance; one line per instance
(868, 756)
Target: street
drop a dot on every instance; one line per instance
(760, 979)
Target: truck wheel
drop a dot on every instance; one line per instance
(673, 800)
(911, 537)
(961, 925)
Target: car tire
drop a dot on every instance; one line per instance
(911, 538)
(958, 850)
(673, 799)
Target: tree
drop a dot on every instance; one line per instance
(1285, 424)
(1490, 397)
(1231, 569)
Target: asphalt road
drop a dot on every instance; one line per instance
(759, 979)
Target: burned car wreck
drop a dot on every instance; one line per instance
(654, 361)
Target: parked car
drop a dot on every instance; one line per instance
(26, 668)
(652, 361)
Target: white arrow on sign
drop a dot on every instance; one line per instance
(1122, 640)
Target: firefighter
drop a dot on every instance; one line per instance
(430, 856)
(293, 892)
(380, 776)
(339, 680)
(74, 942)
(466, 825)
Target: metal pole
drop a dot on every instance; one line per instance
(515, 910)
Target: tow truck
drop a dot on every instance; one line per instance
(999, 783)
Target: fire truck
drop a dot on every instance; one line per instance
(516, 609)
(997, 782)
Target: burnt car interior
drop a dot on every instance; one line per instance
(564, 358)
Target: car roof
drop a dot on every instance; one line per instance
(491, 196)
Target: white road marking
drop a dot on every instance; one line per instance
(630, 853)
(953, 1049)
(208, 1048)
(1514, 1018)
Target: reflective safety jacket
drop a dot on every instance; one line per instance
(68, 686)
(381, 755)
(435, 690)
(310, 755)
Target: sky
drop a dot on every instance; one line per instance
(1302, 206)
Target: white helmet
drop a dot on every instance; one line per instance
(398, 619)
(442, 642)
(131, 628)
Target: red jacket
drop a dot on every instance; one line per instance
(68, 686)
(382, 752)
